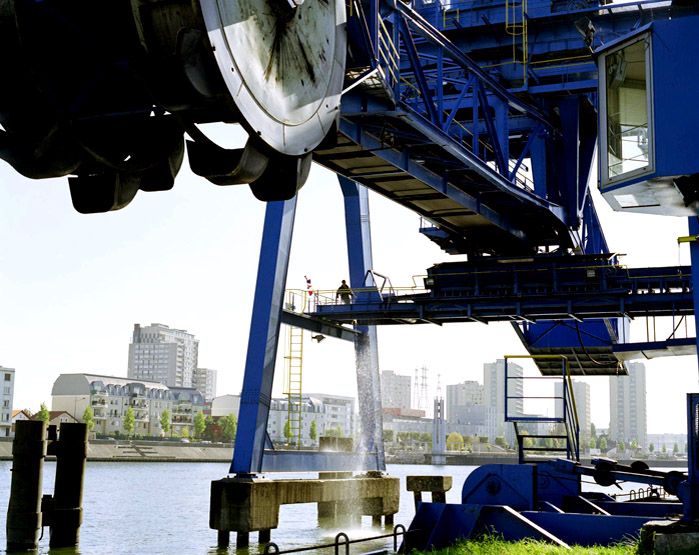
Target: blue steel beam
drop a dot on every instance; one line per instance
(429, 32)
(264, 335)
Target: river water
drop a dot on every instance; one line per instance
(163, 508)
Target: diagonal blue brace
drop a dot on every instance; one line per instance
(358, 232)
(264, 333)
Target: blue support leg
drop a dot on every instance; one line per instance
(264, 337)
(358, 231)
(690, 499)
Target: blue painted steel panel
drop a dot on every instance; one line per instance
(501, 484)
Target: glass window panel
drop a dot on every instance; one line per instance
(627, 110)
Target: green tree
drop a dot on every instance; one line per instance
(501, 442)
(287, 431)
(89, 418)
(593, 430)
(527, 441)
(603, 443)
(313, 432)
(199, 424)
(651, 448)
(593, 442)
(675, 449)
(663, 449)
(129, 421)
(335, 432)
(620, 446)
(165, 421)
(184, 432)
(43, 413)
(634, 445)
(229, 426)
(388, 436)
(455, 442)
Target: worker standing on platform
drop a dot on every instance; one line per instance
(344, 293)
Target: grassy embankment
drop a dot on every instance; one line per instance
(494, 546)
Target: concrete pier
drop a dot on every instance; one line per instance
(438, 486)
(249, 504)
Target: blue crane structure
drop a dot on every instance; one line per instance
(484, 117)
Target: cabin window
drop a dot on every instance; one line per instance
(626, 108)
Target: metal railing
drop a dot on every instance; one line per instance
(568, 411)
(341, 541)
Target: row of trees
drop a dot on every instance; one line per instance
(204, 427)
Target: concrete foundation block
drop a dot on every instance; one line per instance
(669, 537)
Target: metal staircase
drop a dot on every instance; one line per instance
(562, 435)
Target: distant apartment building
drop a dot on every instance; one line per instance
(331, 413)
(466, 394)
(158, 353)
(7, 377)
(395, 390)
(494, 396)
(111, 397)
(466, 411)
(205, 382)
(581, 394)
(627, 406)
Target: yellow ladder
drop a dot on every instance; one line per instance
(516, 26)
(294, 385)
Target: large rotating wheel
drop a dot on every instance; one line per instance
(282, 62)
(105, 92)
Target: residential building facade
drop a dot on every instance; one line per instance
(395, 390)
(158, 353)
(17, 416)
(581, 394)
(223, 405)
(7, 379)
(460, 395)
(333, 414)
(205, 382)
(627, 406)
(111, 398)
(494, 396)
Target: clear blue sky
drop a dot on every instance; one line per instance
(72, 286)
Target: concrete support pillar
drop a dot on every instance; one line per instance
(223, 539)
(24, 510)
(264, 536)
(71, 454)
(242, 539)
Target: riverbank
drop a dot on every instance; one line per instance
(478, 459)
(145, 451)
(174, 451)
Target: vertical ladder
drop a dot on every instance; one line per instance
(294, 381)
(563, 434)
(516, 26)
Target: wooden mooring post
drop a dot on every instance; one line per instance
(24, 510)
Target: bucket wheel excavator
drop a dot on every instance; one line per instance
(104, 92)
